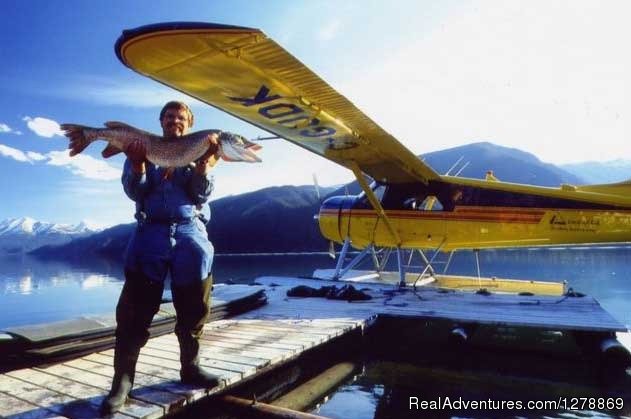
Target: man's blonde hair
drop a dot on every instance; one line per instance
(175, 104)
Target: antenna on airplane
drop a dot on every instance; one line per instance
(462, 168)
(259, 138)
(454, 165)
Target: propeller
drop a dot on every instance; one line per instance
(316, 186)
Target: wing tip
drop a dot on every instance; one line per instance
(129, 34)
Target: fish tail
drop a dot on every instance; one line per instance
(77, 136)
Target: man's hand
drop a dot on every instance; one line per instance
(137, 153)
(210, 157)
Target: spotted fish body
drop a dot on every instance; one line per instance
(171, 152)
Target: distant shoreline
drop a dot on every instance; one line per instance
(595, 246)
(276, 254)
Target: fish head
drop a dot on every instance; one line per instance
(232, 139)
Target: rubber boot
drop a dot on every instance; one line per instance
(124, 370)
(192, 305)
(138, 303)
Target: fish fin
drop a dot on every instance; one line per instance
(72, 127)
(118, 124)
(76, 135)
(110, 151)
(122, 125)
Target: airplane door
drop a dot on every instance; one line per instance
(364, 219)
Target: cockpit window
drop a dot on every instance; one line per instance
(428, 203)
(378, 189)
(406, 197)
(431, 203)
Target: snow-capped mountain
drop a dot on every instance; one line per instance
(21, 235)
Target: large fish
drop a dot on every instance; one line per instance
(176, 152)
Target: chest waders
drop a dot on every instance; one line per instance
(139, 301)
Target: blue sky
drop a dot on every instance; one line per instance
(551, 78)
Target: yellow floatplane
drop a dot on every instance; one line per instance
(407, 205)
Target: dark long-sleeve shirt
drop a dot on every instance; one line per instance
(164, 200)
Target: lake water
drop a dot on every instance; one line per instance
(396, 390)
(34, 291)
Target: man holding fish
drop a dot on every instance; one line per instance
(171, 237)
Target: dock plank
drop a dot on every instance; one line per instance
(271, 354)
(12, 407)
(148, 404)
(286, 334)
(262, 342)
(238, 350)
(211, 354)
(204, 361)
(48, 400)
(80, 391)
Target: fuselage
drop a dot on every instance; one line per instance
(457, 213)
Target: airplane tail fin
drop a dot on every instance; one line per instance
(619, 188)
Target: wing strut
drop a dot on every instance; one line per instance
(374, 201)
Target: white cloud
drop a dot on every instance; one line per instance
(33, 156)
(84, 165)
(5, 129)
(14, 154)
(43, 127)
(550, 78)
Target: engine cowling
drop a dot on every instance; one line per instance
(334, 217)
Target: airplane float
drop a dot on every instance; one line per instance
(408, 205)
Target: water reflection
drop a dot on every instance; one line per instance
(26, 284)
(93, 281)
(35, 291)
(398, 389)
(38, 291)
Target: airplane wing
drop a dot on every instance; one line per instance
(244, 73)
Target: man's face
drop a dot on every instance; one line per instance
(174, 123)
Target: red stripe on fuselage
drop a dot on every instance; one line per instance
(501, 215)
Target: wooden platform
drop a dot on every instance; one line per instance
(231, 349)
(257, 341)
(549, 312)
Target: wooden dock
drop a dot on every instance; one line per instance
(255, 342)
